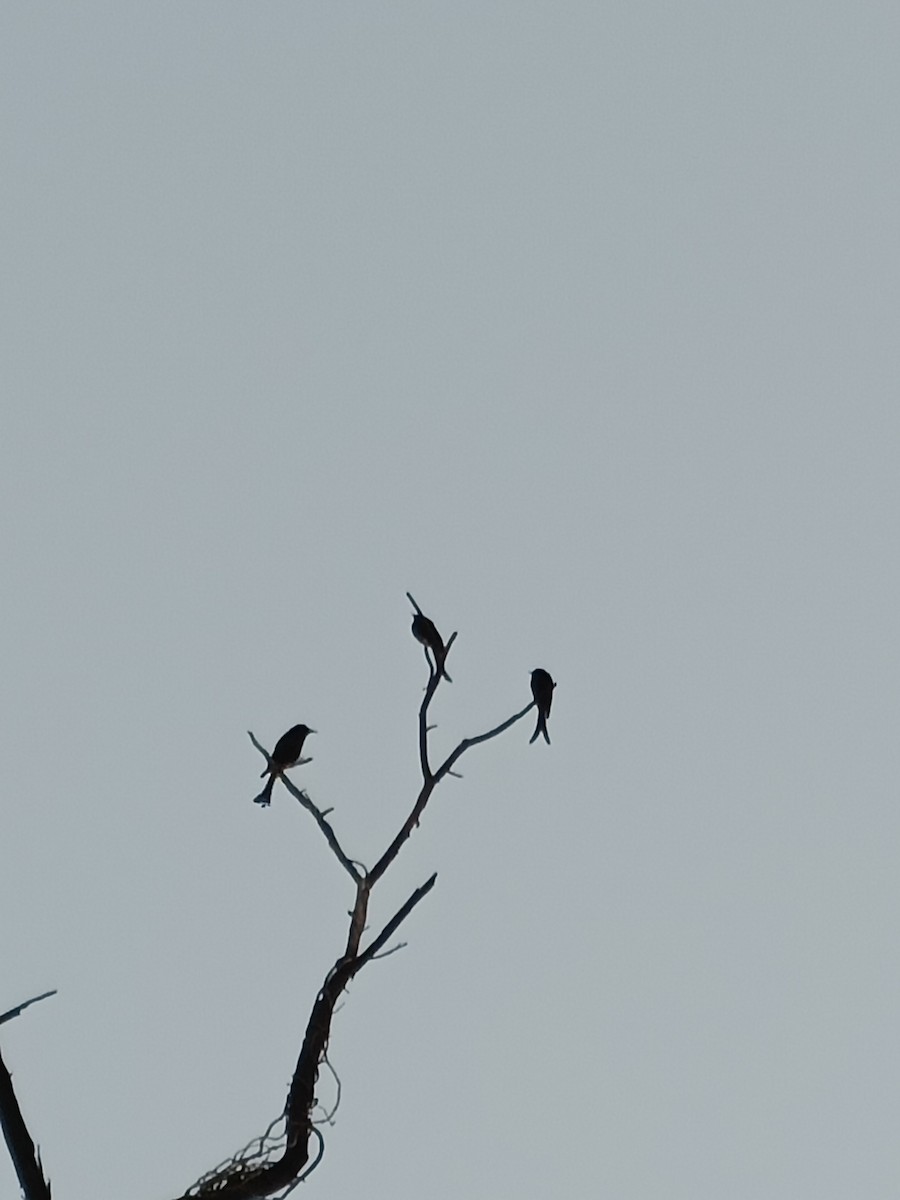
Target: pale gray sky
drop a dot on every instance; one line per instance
(580, 322)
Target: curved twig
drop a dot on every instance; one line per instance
(328, 1117)
(444, 768)
(315, 1162)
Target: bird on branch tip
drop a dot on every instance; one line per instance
(542, 689)
(287, 752)
(425, 631)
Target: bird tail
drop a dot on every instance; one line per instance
(265, 796)
(440, 657)
(540, 728)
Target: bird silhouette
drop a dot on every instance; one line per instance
(425, 631)
(288, 750)
(542, 689)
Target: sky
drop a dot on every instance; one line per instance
(579, 322)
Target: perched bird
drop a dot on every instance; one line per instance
(425, 631)
(542, 689)
(288, 750)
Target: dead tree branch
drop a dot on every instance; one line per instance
(325, 825)
(263, 1178)
(276, 1162)
(445, 767)
(25, 1156)
(20, 1008)
(247, 1182)
(431, 780)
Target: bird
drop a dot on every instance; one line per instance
(425, 631)
(287, 752)
(542, 689)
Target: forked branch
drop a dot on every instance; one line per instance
(431, 780)
(277, 1162)
(264, 1175)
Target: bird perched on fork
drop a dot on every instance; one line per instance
(287, 753)
(425, 631)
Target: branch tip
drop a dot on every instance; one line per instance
(20, 1008)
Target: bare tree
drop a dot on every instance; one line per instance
(292, 1146)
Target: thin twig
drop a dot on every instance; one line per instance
(444, 768)
(395, 922)
(14, 1012)
(388, 953)
(263, 751)
(312, 1166)
(433, 680)
(328, 1117)
(325, 826)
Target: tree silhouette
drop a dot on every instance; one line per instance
(292, 1146)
